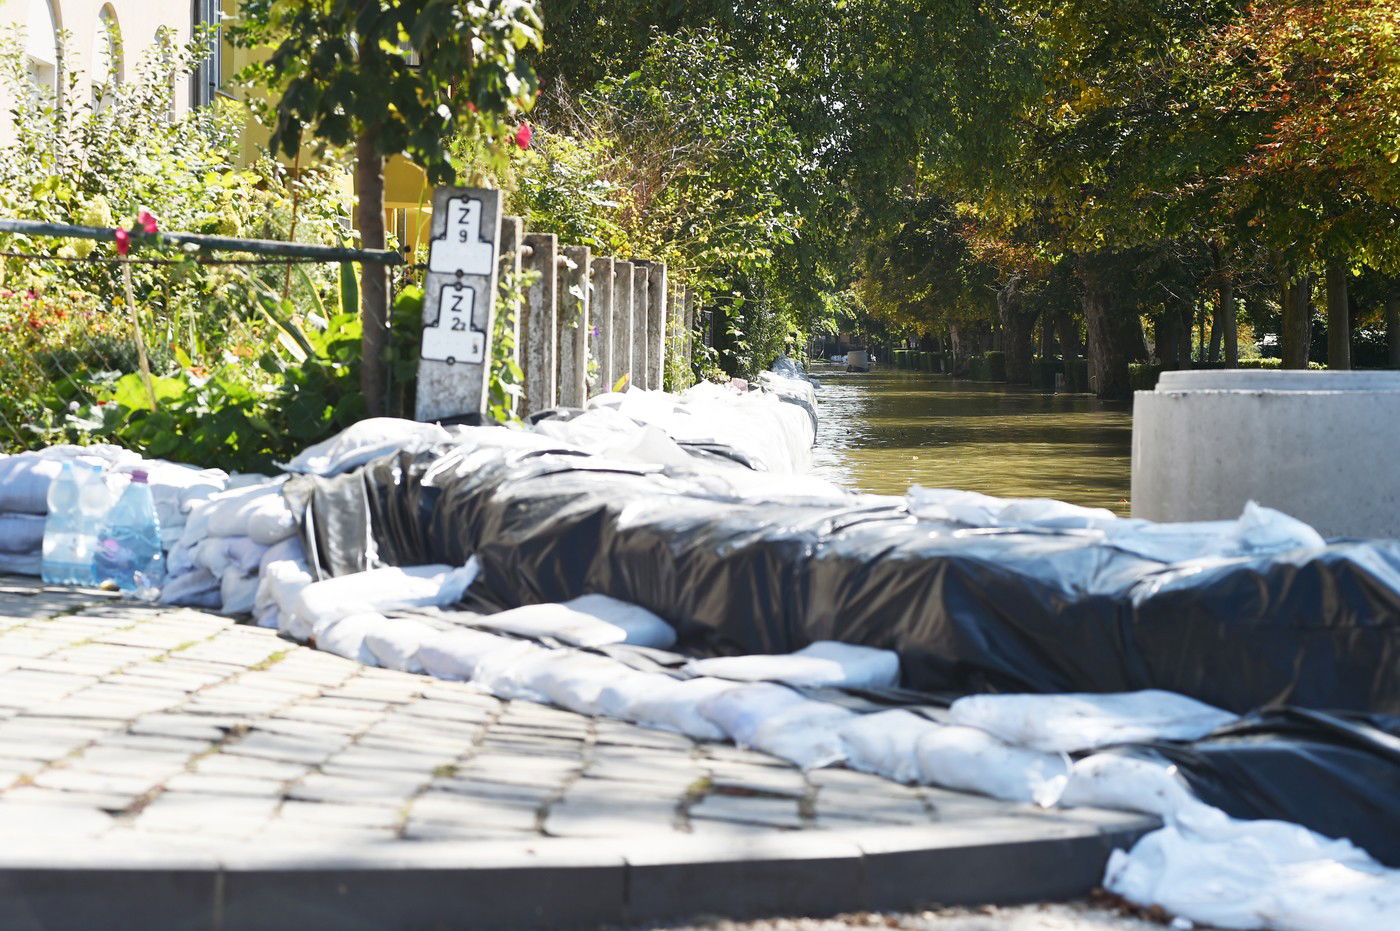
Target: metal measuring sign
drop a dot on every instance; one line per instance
(459, 303)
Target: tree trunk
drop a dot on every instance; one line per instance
(1110, 314)
(1392, 327)
(1225, 319)
(1296, 299)
(1047, 336)
(1070, 347)
(374, 278)
(1018, 329)
(1338, 317)
(1217, 334)
(1201, 335)
(1170, 337)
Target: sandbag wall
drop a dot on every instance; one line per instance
(967, 610)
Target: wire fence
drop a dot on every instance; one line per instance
(212, 350)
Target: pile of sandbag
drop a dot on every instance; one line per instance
(24, 489)
(217, 560)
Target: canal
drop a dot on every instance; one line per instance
(888, 429)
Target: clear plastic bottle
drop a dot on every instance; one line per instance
(62, 560)
(128, 547)
(94, 502)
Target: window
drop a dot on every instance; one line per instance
(204, 86)
(106, 56)
(42, 48)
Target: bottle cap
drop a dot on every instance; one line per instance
(139, 476)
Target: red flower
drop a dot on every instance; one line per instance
(148, 222)
(523, 135)
(123, 242)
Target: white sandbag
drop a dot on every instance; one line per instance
(824, 663)
(271, 520)
(171, 484)
(507, 672)
(740, 711)
(806, 734)
(22, 533)
(244, 554)
(292, 548)
(25, 477)
(213, 555)
(198, 588)
(588, 621)
(230, 512)
(974, 509)
(395, 643)
(1070, 722)
(885, 743)
(363, 441)
(1215, 870)
(378, 590)
(21, 564)
(196, 527)
(629, 688)
(973, 760)
(346, 636)
(279, 586)
(1112, 780)
(267, 616)
(456, 654)
(671, 704)
(573, 680)
(238, 591)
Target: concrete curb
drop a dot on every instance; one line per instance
(559, 883)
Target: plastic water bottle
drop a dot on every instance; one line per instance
(94, 502)
(63, 563)
(128, 547)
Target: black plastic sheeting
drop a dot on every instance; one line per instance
(966, 610)
(1338, 774)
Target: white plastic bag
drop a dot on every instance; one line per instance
(973, 760)
(824, 663)
(885, 743)
(1069, 722)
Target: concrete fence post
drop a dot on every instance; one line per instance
(600, 313)
(688, 310)
(657, 295)
(539, 327)
(641, 323)
(512, 233)
(458, 304)
(622, 322)
(573, 326)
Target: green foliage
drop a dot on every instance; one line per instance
(507, 382)
(410, 74)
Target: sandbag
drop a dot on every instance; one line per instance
(345, 636)
(271, 521)
(574, 680)
(588, 621)
(231, 511)
(1127, 783)
(885, 743)
(198, 588)
(1215, 870)
(806, 734)
(456, 654)
(238, 591)
(21, 533)
(675, 705)
(365, 440)
(820, 664)
(395, 644)
(378, 590)
(973, 760)
(1065, 723)
(740, 711)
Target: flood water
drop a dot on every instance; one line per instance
(888, 429)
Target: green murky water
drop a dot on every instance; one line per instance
(886, 430)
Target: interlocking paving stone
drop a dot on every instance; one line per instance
(139, 731)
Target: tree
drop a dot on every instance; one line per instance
(403, 77)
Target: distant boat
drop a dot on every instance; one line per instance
(858, 360)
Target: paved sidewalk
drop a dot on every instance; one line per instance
(232, 771)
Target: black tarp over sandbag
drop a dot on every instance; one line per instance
(967, 610)
(1338, 774)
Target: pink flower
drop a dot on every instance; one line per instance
(523, 135)
(123, 242)
(148, 222)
